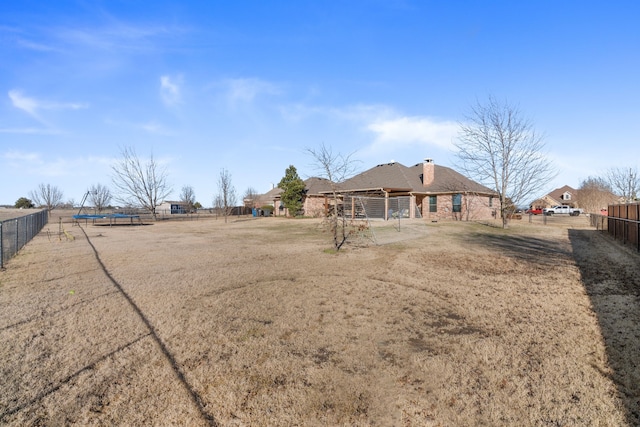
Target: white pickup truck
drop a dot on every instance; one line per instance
(562, 209)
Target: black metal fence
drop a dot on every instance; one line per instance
(17, 232)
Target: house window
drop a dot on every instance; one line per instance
(457, 202)
(490, 201)
(433, 203)
(566, 196)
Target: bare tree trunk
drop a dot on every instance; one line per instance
(335, 168)
(226, 193)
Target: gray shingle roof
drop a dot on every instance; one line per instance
(315, 185)
(397, 177)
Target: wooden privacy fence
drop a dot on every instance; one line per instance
(623, 223)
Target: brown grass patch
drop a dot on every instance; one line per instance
(254, 323)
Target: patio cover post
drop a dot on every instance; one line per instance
(386, 205)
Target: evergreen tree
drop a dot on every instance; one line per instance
(24, 203)
(292, 191)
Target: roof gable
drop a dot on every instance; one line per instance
(558, 193)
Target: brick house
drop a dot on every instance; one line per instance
(564, 195)
(313, 203)
(438, 192)
(592, 202)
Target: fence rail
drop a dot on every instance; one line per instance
(17, 232)
(622, 223)
(599, 222)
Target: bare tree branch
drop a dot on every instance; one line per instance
(500, 149)
(335, 167)
(226, 198)
(47, 195)
(188, 198)
(140, 184)
(594, 194)
(99, 196)
(250, 197)
(625, 182)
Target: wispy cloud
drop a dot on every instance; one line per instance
(21, 156)
(362, 113)
(386, 128)
(155, 128)
(170, 90)
(150, 126)
(30, 131)
(406, 131)
(391, 130)
(33, 106)
(117, 36)
(107, 35)
(247, 89)
(36, 164)
(29, 105)
(31, 45)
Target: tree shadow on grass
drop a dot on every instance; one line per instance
(524, 248)
(610, 274)
(611, 277)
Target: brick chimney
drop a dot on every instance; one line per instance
(427, 172)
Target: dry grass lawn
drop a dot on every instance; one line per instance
(9, 213)
(255, 322)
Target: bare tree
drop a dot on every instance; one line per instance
(188, 198)
(99, 196)
(335, 167)
(500, 149)
(217, 204)
(142, 184)
(595, 194)
(250, 197)
(48, 196)
(226, 198)
(69, 204)
(625, 182)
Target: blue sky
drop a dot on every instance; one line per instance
(248, 85)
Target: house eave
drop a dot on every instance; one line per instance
(368, 190)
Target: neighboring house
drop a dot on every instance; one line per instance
(564, 195)
(438, 192)
(314, 202)
(267, 198)
(171, 207)
(591, 200)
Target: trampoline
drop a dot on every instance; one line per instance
(112, 217)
